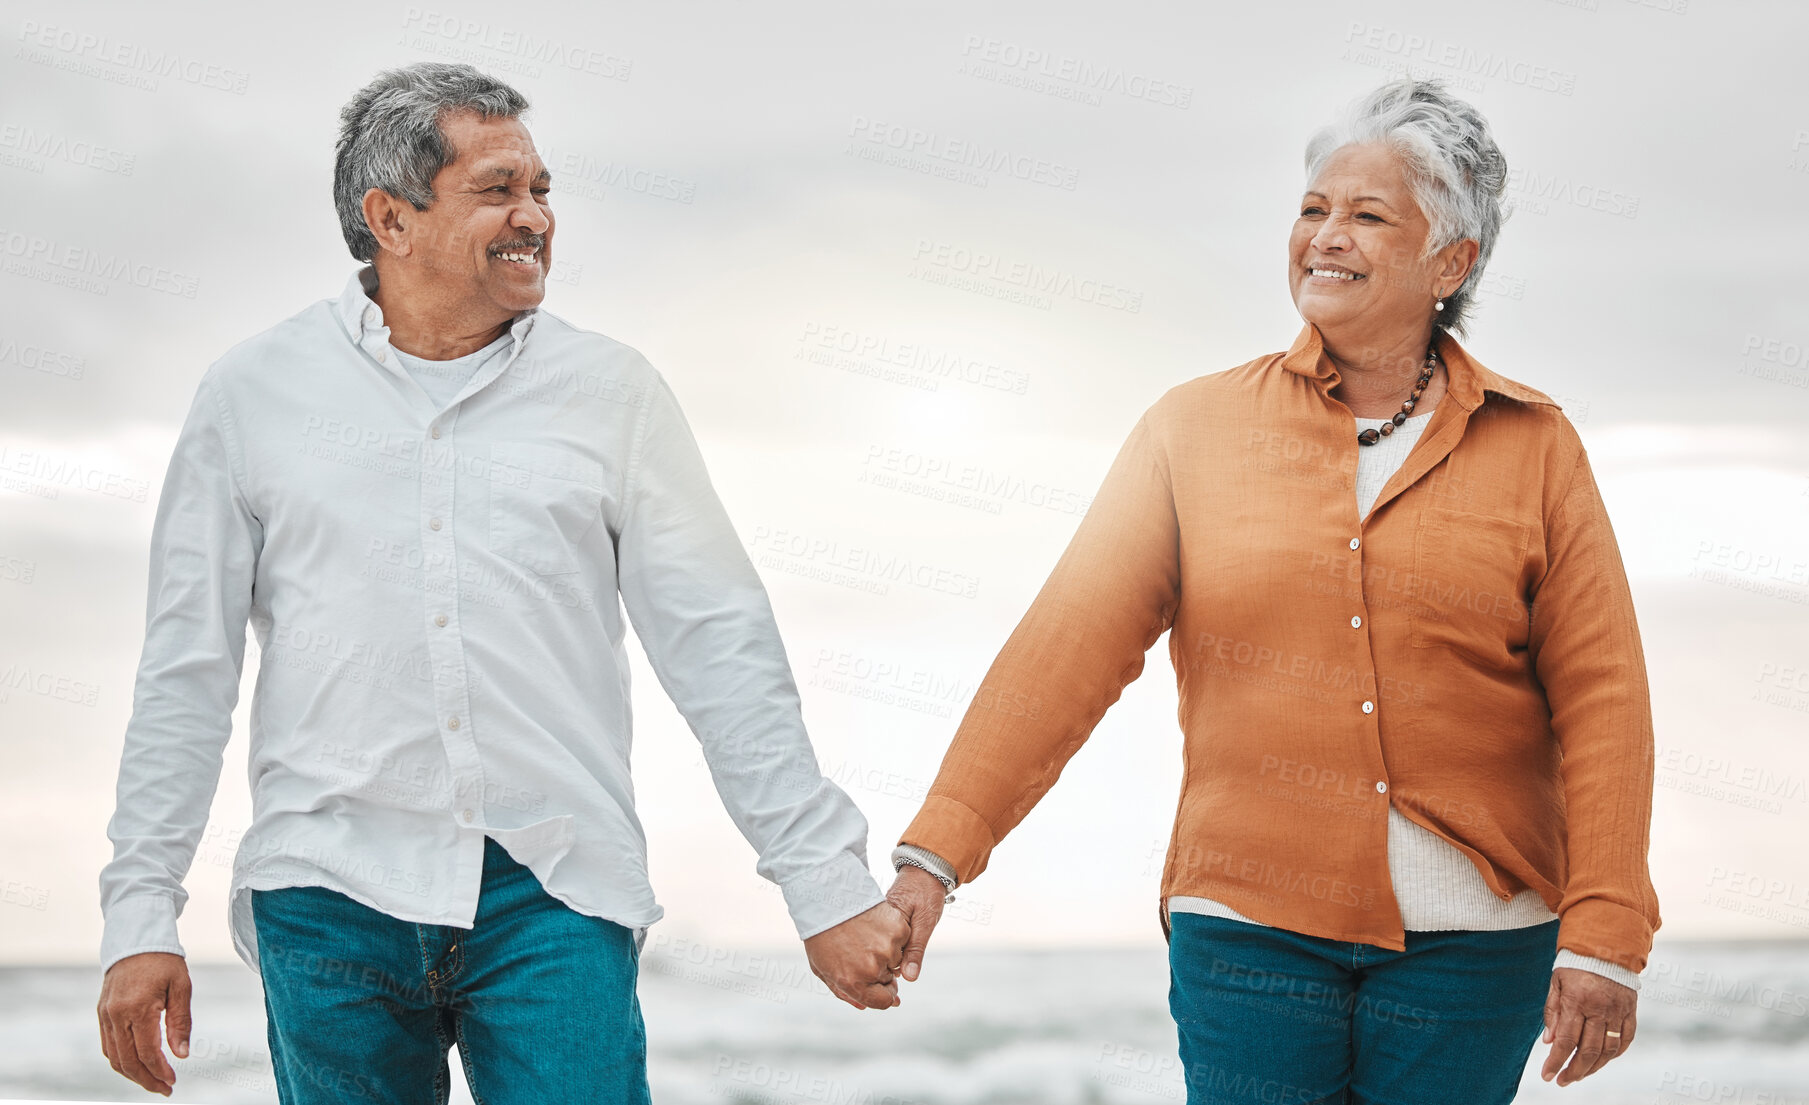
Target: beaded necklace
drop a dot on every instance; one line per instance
(1370, 437)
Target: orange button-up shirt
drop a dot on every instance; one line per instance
(1467, 653)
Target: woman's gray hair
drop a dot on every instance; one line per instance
(390, 137)
(1454, 168)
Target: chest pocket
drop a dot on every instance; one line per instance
(542, 503)
(1470, 581)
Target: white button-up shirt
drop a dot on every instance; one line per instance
(434, 592)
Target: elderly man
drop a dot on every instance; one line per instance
(424, 496)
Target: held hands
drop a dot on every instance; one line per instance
(855, 958)
(138, 992)
(862, 959)
(1580, 1012)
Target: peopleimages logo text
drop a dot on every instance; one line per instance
(508, 41)
(129, 56)
(32, 249)
(1080, 72)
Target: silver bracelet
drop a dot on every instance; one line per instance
(899, 861)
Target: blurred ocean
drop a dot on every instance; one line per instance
(1718, 1022)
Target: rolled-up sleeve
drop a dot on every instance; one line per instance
(703, 617)
(1110, 596)
(205, 543)
(1587, 654)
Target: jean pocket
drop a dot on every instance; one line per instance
(543, 501)
(1470, 579)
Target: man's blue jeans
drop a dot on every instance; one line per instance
(363, 1007)
(1271, 1016)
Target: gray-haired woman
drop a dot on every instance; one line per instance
(1417, 788)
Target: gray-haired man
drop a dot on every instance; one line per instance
(424, 496)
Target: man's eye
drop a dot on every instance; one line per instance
(542, 191)
(1311, 211)
(500, 188)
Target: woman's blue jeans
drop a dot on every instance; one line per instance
(363, 1007)
(1273, 1017)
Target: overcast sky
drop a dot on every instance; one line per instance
(731, 201)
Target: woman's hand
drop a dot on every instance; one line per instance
(1581, 1011)
(919, 896)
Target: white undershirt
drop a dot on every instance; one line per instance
(442, 380)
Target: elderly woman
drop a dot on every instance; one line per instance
(1417, 765)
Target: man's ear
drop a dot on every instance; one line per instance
(388, 218)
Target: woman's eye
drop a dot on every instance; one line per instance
(1369, 215)
(1311, 211)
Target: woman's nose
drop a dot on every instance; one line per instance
(1331, 236)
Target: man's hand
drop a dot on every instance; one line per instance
(136, 992)
(855, 958)
(1579, 1013)
(918, 895)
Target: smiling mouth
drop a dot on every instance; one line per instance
(1337, 274)
(518, 256)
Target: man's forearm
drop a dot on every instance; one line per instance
(703, 617)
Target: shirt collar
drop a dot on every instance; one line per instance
(363, 319)
(1467, 379)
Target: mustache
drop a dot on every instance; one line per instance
(532, 241)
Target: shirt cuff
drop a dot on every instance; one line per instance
(143, 923)
(830, 893)
(1610, 971)
(955, 832)
(1608, 931)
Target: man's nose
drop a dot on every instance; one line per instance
(530, 216)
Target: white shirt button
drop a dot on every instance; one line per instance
(1368, 708)
(1355, 542)
(1381, 787)
(382, 356)
(370, 314)
(439, 619)
(453, 722)
(467, 815)
(436, 433)
(1356, 623)
(433, 523)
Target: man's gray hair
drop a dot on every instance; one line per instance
(1455, 170)
(390, 137)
